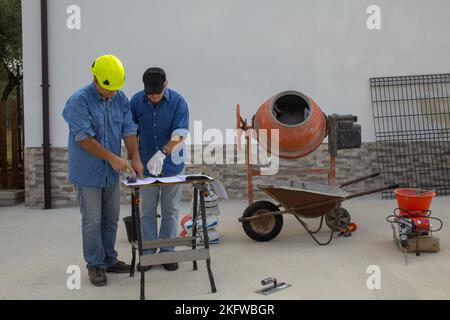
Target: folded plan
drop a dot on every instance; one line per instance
(168, 180)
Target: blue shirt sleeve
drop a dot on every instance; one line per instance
(133, 105)
(129, 127)
(79, 119)
(180, 121)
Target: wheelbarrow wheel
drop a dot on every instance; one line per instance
(265, 228)
(338, 219)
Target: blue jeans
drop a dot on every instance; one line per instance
(100, 208)
(170, 200)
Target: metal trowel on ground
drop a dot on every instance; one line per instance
(277, 286)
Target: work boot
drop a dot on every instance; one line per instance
(171, 266)
(119, 267)
(146, 268)
(97, 276)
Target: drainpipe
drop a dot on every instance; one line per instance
(45, 105)
(19, 115)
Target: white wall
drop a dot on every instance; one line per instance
(218, 53)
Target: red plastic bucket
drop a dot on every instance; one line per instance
(415, 201)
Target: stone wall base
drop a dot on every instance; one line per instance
(350, 164)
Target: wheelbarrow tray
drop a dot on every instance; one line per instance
(303, 200)
(320, 198)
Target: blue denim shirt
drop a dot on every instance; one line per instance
(88, 114)
(157, 124)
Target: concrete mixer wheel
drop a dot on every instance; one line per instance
(265, 228)
(338, 219)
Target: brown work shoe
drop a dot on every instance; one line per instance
(97, 276)
(171, 266)
(119, 267)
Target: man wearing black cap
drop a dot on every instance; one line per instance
(163, 119)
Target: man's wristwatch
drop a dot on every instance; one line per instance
(164, 151)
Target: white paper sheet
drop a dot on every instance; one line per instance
(166, 180)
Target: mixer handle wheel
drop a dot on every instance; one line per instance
(338, 219)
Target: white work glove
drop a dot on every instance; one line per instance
(155, 164)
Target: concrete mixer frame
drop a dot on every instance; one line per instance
(342, 134)
(252, 172)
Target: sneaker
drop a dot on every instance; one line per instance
(146, 268)
(119, 267)
(97, 276)
(171, 266)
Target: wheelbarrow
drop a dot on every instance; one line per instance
(263, 220)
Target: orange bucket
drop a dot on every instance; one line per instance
(415, 201)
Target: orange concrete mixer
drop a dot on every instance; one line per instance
(301, 127)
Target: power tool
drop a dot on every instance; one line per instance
(412, 225)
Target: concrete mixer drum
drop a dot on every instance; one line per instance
(301, 127)
(300, 122)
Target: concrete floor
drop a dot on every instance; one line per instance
(37, 246)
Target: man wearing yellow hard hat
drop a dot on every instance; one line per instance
(99, 118)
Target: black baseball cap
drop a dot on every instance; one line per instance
(154, 79)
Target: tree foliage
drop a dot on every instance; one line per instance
(10, 46)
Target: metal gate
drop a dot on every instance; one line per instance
(11, 144)
(412, 130)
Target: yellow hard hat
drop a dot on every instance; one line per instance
(109, 72)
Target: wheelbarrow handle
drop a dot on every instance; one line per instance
(360, 194)
(346, 183)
